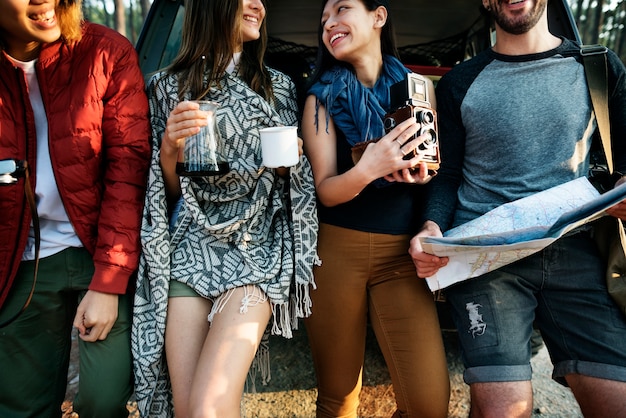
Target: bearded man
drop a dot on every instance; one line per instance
(517, 119)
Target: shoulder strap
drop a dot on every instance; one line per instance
(595, 62)
(30, 198)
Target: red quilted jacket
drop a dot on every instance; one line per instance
(97, 110)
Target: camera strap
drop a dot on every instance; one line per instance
(30, 199)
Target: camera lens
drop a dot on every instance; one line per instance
(426, 116)
(389, 123)
(428, 142)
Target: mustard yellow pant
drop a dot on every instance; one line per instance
(371, 276)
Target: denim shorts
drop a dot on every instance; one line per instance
(562, 291)
(174, 213)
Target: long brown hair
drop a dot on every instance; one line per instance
(211, 35)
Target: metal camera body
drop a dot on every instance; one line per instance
(411, 98)
(10, 171)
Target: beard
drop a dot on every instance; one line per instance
(518, 24)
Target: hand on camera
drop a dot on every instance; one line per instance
(418, 172)
(386, 156)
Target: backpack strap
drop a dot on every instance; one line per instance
(595, 62)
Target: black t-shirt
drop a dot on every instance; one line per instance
(393, 209)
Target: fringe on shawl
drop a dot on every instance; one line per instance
(285, 319)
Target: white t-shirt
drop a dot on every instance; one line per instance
(234, 62)
(57, 233)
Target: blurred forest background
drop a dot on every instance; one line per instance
(602, 22)
(599, 21)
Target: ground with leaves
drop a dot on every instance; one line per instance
(291, 391)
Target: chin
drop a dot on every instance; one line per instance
(251, 36)
(49, 38)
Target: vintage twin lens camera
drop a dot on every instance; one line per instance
(410, 98)
(11, 170)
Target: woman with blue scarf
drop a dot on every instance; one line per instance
(368, 212)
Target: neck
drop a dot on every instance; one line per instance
(538, 39)
(25, 53)
(368, 69)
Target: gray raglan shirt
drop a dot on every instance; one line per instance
(511, 126)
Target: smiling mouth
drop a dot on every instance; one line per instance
(337, 36)
(251, 19)
(515, 1)
(47, 17)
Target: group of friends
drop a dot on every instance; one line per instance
(174, 283)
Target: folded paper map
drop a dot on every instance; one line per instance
(516, 230)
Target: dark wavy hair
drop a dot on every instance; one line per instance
(325, 60)
(211, 35)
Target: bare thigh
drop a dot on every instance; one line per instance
(185, 332)
(227, 354)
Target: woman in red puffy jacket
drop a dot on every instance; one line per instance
(73, 108)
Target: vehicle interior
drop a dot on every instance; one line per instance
(431, 36)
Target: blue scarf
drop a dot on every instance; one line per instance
(356, 110)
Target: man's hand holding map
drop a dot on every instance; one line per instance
(516, 230)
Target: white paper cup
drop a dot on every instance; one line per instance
(279, 146)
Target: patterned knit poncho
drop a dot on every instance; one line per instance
(248, 226)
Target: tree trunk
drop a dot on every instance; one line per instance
(620, 22)
(145, 6)
(596, 23)
(119, 23)
(579, 10)
(107, 15)
(87, 10)
(132, 35)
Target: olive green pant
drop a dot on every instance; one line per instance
(35, 349)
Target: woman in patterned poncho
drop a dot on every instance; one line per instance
(238, 248)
